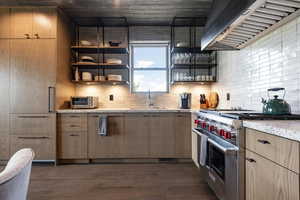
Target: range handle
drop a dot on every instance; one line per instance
(221, 147)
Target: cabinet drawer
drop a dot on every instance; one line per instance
(282, 151)
(73, 122)
(72, 145)
(43, 146)
(33, 124)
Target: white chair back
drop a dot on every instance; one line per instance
(14, 179)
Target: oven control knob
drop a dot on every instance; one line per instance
(211, 128)
(197, 121)
(203, 125)
(228, 135)
(221, 132)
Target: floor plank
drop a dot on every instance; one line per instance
(118, 182)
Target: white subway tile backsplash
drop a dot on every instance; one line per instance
(272, 61)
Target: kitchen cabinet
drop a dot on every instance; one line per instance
(37, 22)
(136, 135)
(4, 23)
(280, 150)
(129, 135)
(271, 166)
(161, 135)
(72, 145)
(4, 91)
(33, 75)
(44, 23)
(36, 131)
(267, 180)
(182, 126)
(110, 146)
(29, 78)
(44, 147)
(72, 136)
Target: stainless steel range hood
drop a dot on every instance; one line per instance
(242, 22)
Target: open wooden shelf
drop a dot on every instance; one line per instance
(98, 49)
(101, 82)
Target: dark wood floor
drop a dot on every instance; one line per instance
(118, 182)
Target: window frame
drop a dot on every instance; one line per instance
(133, 69)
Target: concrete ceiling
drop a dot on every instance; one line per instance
(138, 12)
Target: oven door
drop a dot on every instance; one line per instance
(222, 168)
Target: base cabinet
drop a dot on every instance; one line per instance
(72, 145)
(72, 136)
(43, 146)
(161, 136)
(36, 131)
(182, 126)
(109, 146)
(129, 135)
(267, 180)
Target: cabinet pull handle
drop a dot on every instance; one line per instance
(51, 99)
(263, 141)
(74, 126)
(73, 116)
(36, 117)
(251, 160)
(30, 138)
(37, 36)
(27, 36)
(74, 135)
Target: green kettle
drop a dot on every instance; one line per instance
(276, 106)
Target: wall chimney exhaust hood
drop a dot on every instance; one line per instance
(241, 22)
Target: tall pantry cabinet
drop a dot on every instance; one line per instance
(34, 72)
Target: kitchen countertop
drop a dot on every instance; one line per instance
(123, 110)
(289, 129)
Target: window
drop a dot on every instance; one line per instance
(149, 67)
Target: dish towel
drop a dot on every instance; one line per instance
(203, 150)
(102, 129)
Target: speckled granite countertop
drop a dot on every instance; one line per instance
(289, 129)
(123, 110)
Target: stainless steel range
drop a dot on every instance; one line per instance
(221, 148)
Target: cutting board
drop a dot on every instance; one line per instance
(213, 100)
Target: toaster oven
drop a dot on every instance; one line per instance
(87, 102)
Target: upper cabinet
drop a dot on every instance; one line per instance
(34, 23)
(44, 23)
(4, 23)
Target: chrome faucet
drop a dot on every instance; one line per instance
(149, 99)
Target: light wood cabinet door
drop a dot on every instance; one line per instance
(161, 136)
(109, 146)
(44, 23)
(267, 180)
(4, 23)
(136, 135)
(33, 124)
(21, 23)
(32, 78)
(72, 122)
(44, 147)
(4, 102)
(183, 138)
(72, 145)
